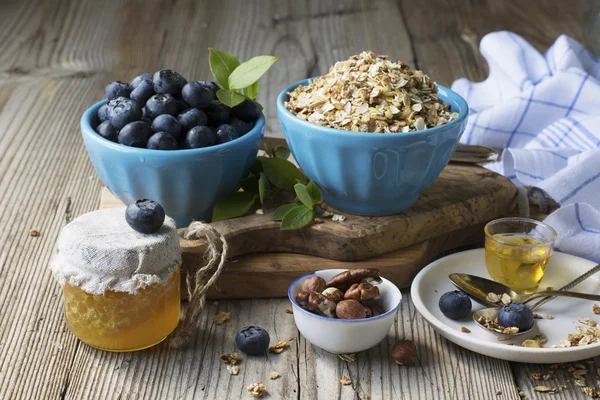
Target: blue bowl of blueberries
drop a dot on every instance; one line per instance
(164, 138)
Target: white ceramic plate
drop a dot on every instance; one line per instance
(432, 282)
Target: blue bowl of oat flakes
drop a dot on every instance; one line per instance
(372, 134)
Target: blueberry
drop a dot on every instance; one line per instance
(217, 112)
(200, 136)
(145, 216)
(168, 81)
(181, 104)
(252, 340)
(168, 123)
(191, 117)
(161, 104)
(162, 141)
(515, 314)
(143, 91)
(117, 89)
(139, 79)
(226, 133)
(240, 126)
(197, 94)
(102, 113)
(123, 112)
(107, 131)
(455, 305)
(246, 111)
(214, 86)
(135, 134)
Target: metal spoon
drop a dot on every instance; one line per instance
(473, 154)
(478, 288)
(491, 314)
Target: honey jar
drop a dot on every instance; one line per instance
(121, 287)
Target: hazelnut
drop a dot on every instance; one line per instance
(362, 291)
(344, 280)
(321, 305)
(404, 352)
(350, 309)
(314, 284)
(333, 294)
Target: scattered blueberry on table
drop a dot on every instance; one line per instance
(163, 111)
(253, 340)
(145, 216)
(455, 304)
(517, 315)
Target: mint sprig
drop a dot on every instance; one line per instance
(272, 178)
(239, 81)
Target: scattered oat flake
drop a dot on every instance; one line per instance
(259, 211)
(541, 339)
(545, 389)
(531, 343)
(596, 309)
(257, 389)
(274, 375)
(327, 214)
(586, 321)
(221, 317)
(280, 346)
(537, 316)
(492, 297)
(318, 220)
(536, 376)
(521, 394)
(34, 232)
(506, 299)
(465, 329)
(345, 380)
(233, 369)
(590, 391)
(338, 217)
(498, 392)
(503, 338)
(350, 357)
(230, 358)
(289, 310)
(549, 316)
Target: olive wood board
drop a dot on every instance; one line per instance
(264, 260)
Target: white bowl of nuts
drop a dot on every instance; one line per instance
(344, 311)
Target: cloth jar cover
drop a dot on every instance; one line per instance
(544, 110)
(99, 251)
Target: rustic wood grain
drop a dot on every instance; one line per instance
(55, 59)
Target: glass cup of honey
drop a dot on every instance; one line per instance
(517, 251)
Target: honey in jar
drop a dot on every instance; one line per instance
(517, 252)
(121, 287)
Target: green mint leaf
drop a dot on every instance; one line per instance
(251, 91)
(258, 105)
(222, 64)
(233, 206)
(314, 192)
(229, 97)
(282, 152)
(303, 195)
(282, 173)
(296, 218)
(250, 71)
(262, 187)
(281, 211)
(250, 184)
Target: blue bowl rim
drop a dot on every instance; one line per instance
(345, 321)
(90, 113)
(281, 108)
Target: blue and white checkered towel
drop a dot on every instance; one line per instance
(544, 110)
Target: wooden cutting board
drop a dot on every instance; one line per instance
(448, 215)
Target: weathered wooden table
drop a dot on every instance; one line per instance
(55, 59)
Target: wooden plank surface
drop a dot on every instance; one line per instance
(55, 59)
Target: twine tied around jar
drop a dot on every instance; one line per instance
(214, 257)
